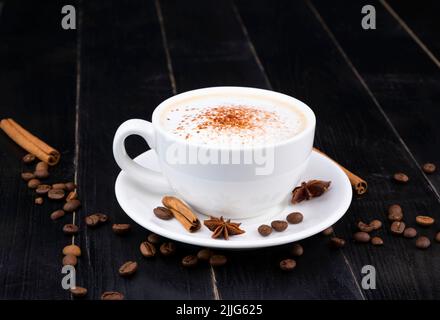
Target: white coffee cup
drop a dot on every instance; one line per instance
(231, 189)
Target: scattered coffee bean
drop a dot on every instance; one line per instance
(429, 168)
(41, 166)
(279, 225)
(72, 249)
(71, 205)
(265, 230)
(128, 268)
(376, 241)
(148, 249)
(410, 233)
(287, 264)
(154, 238)
(56, 194)
(112, 295)
(70, 260)
(425, 221)
(29, 158)
(72, 196)
(78, 292)
(364, 227)
(190, 261)
(204, 254)
(328, 232)
(33, 183)
(39, 200)
(297, 250)
(42, 189)
(92, 220)
(395, 213)
(41, 174)
(376, 224)
(437, 237)
(121, 228)
(26, 176)
(163, 213)
(59, 186)
(167, 248)
(336, 242)
(217, 260)
(294, 218)
(397, 227)
(361, 236)
(401, 177)
(423, 242)
(70, 186)
(70, 229)
(57, 214)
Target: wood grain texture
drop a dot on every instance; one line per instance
(37, 88)
(302, 60)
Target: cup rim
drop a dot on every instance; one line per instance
(308, 112)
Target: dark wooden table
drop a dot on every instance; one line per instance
(376, 94)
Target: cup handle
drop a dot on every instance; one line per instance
(154, 181)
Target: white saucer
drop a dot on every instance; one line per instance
(319, 213)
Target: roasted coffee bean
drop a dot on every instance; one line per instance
(92, 220)
(429, 168)
(43, 189)
(41, 174)
(279, 225)
(57, 214)
(70, 260)
(59, 186)
(102, 217)
(425, 221)
(72, 196)
(204, 254)
(167, 248)
(395, 213)
(70, 186)
(376, 224)
(39, 200)
(397, 227)
(41, 166)
(297, 250)
(78, 292)
(26, 176)
(154, 238)
(33, 183)
(400, 177)
(163, 213)
(287, 264)
(361, 236)
(121, 228)
(70, 229)
(437, 237)
(56, 194)
(364, 227)
(112, 295)
(265, 230)
(148, 249)
(217, 260)
(29, 158)
(336, 242)
(128, 268)
(376, 241)
(72, 249)
(410, 233)
(294, 217)
(423, 242)
(190, 261)
(328, 232)
(71, 205)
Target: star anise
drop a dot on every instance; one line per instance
(223, 228)
(309, 189)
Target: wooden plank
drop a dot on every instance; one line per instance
(303, 60)
(37, 88)
(208, 47)
(123, 75)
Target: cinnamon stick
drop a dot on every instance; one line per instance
(359, 185)
(29, 142)
(182, 213)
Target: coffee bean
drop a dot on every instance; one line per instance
(41, 166)
(328, 232)
(43, 189)
(72, 196)
(128, 268)
(204, 254)
(423, 242)
(297, 250)
(410, 233)
(59, 186)
(376, 224)
(29, 158)
(279, 225)
(121, 228)
(72, 249)
(425, 221)
(39, 200)
(70, 229)
(397, 227)
(70, 260)
(57, 214)
(401, 177)
(336, 243)
(294, 217)
(437, 237)
(265, 230)
(56, 194)
(190, 261)
(167, 248)
(361, 236)
(92, 220)
(154, 238)
(217, 260)
(26, 176)
(78, 292)
(395, 213)
(112, 295)
(376, 241)
(148, 249)
(41, 174)
(163, 213)
(70, 186)
(33, 183)
(429, 168)
(364, 227)
(287, 264)
(71, 205)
